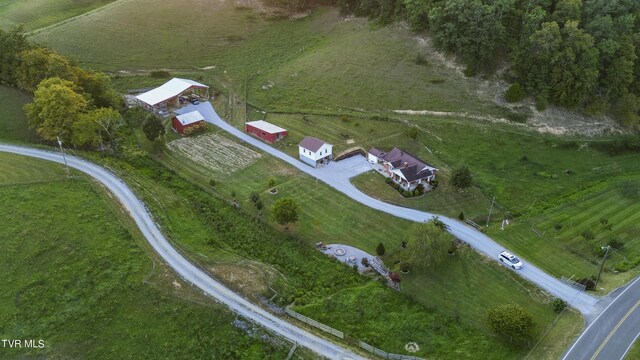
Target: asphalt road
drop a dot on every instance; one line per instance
(611, 334)
(182, 266)
(337, 175)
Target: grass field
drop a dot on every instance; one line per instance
(562, 248)
(289, 65)
(634, 353)
(78, 276)
(35, 14)
(13, 122)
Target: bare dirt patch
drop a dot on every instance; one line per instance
(215, 152)
(247, 277)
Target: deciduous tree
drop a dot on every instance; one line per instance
(461, 177)
(512, 322)
(153, 128)
(285, 211)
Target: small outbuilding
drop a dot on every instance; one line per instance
(265, 131)
(314, 151)
(182, 122)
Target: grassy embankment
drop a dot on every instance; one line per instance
(78, 275)
(12, 119)
(40, 13)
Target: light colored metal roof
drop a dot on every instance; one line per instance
(190, 118)
(166, 91)
(265, 126)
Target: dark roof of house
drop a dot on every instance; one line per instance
(375, 151)
(411, 167)
(311, 143)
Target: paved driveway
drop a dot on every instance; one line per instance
(337, 175)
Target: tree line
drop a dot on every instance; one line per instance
(78, 106)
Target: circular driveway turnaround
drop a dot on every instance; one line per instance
(184, 268)
(337, 175)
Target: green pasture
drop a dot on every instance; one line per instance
(34, 14)
(320, 63)
(78, 275)
(554, 239)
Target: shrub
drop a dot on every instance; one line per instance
(396, 186)
(412, 133)
(514, 93)
(541, 103)
(344, 118)
(512, 322)
(461, 177)
(272, 182)
(195, 129)
(461, 216)
(254, 197)
(587, 234)
(558, 305)
(160, 74)
(615, 243)
(406, 193)
(388, 180)
(434, 184)
(380, 250)
(416, 192)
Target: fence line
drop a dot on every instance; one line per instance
(314, 323)
(473, 224)
(384, 354)
(574, 284)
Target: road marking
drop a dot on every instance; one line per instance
(596, 320)
(630, 345)
(595, 355)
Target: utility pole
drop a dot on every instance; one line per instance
(490, 210)
(601, 268)
(66, 166)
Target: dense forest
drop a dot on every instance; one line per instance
(573, 53)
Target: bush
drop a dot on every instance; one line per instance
(512, 322)
(615, 243)
(195, 129)
(558, 305)
(461, 177)
(541, 103)
(416, 192)
(380, 250)
(344, 118)
(254, 197)
(160, 74)
(434, 184)
(272, 182)
(412, 133)
(406, 193)
(388, 180)
(514, 93)
(587, 234)
(461, 216)
(396, 186)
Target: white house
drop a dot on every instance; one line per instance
(314, 151)
(402, 167)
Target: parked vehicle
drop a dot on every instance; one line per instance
(510, 260)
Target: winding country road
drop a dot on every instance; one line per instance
(182, 266)
(609, 336)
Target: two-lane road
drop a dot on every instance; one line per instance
(612, 334)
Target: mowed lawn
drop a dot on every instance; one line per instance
(560, 246)
(34, 14)
(77, 275)
(13, 122)
(321, 62)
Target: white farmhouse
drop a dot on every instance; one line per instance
(314, 151)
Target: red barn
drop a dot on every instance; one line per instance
(266, 131)
(181, 122)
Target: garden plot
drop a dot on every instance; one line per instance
(215, 152)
